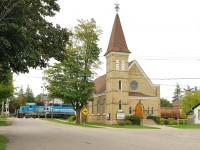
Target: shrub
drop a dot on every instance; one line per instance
(71, 118)
(155, 118)
(166, 122)
(135, 120)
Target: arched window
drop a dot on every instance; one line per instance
(120, 84)
(130, 111)
(152, 111)
(104, 106)
(123, 64)
(120, 105)
(92, 107)
(117, 64)
(148, 111)
(98, 107)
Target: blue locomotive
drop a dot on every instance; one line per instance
(57, 110)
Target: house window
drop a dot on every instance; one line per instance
(117, 64)
(92, 107)
(98, 107)
(120, 84)
(104, 106)
(152, 111)
(123, 65)
(130, 111)
(120, 105)
(199, 114)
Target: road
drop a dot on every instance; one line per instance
(36, 134)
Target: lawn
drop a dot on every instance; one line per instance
(98, 125)
(3, 142)
(4, 122)
(187, 126)
(3, 139)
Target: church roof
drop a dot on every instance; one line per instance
(100, 84)
(117, 41)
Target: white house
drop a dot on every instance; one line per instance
(194, 115)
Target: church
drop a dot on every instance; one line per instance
(125, 89)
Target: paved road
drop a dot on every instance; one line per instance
(35, 134)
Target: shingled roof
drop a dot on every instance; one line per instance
(117, 41)
(100, 84)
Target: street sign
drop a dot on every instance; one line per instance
(85, 111)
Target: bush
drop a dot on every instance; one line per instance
(135, 120)
(155, 118)
(71, 118)
(166, 122)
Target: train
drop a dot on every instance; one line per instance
(32, 110)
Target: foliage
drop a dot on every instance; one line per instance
(21, 98)
(172, 121)
(6, 85)
(155, 118)
(72, 79)
(189, 100)
(189, 89)
(165, 103)
(27, 38)
(29, 95)
(71, 118)
(177, 93)
(134, 119)
(3, 141)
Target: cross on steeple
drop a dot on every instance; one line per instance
(116, 7)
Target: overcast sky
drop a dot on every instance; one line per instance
(162, 35)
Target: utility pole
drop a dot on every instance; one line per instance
(2, 108)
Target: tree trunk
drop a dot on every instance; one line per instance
(78, 116)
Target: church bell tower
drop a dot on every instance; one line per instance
(117, 71)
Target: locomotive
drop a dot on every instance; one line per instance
(32, 110)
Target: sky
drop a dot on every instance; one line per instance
(162, 35)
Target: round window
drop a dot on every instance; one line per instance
(134, 85)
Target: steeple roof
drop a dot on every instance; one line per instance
(117, 41)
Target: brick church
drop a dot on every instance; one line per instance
(125, 89)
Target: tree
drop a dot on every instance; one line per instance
(29, 95)
(71, 79)
(190, 99)
(27, 38)
(177, 93)
(18, 100)
(7, 6)
(6, 85)
(165, 103)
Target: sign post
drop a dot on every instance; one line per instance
(85, 112)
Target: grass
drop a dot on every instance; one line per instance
(98, 125)
(187, 126)
(4, 122)
(3, 141)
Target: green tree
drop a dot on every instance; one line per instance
(165, 103)
(27, 38)
(29, 95)
(17, 101)
(71, 79)
(6, 85)
(189, 100)
(7, 6)
(177, 93)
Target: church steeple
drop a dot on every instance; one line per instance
(117, 41)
